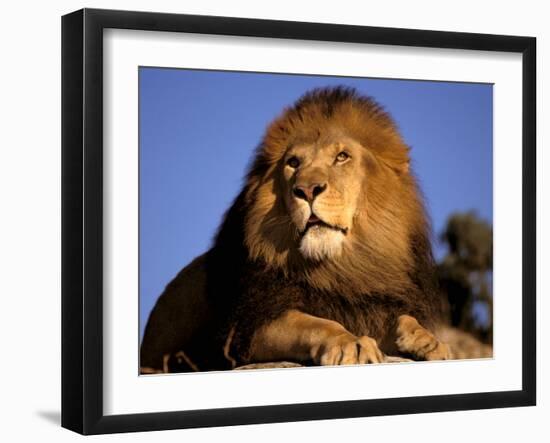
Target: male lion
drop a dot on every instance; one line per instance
(324, 257)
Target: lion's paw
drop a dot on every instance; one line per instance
(415, 340)
(347, 349)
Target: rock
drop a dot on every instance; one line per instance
(289, 364)
(392, 359)
(270, 365)
(464, 345)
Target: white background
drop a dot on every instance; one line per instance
(30, 218)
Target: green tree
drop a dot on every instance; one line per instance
(465, 274)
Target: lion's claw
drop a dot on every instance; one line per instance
(347, 349)
(413, 339)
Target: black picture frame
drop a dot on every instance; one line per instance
(82, 219)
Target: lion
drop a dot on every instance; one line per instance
(324, 257)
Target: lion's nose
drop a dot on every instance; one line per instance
(309, 192)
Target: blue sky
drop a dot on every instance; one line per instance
(198, 129)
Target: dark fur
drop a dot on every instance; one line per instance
(242, 293)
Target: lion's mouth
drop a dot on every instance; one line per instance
(316, 222)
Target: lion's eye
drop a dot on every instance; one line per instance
(293, 162)
(342, 157)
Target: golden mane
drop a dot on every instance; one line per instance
(391, 226)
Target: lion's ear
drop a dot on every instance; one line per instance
(403, 167)
(399, 166)
(402, 161)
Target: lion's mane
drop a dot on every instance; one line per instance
(386, 268)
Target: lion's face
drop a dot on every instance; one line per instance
(323, 182)
(330, 196)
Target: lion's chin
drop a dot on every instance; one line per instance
(322, 243)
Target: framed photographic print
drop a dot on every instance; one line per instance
(269, 221)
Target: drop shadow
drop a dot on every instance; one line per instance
(54, 417)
